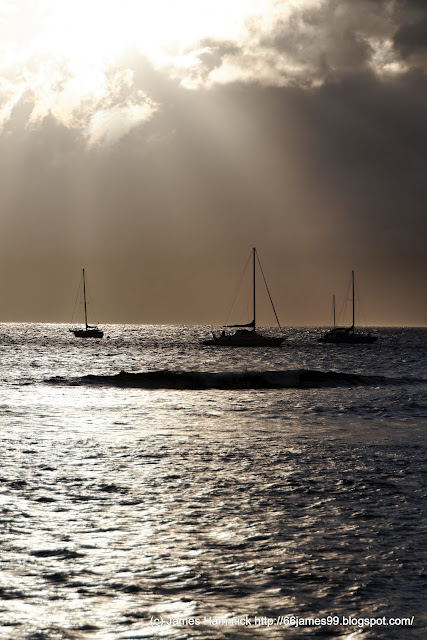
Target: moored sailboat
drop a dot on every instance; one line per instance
(90, 330)
(246, 335)
(347, 335)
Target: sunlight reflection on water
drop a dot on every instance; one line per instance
(122, 504)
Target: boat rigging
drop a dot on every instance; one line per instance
(347, 335)
(90, 330)
(246, 335)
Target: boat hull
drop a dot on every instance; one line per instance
(87, 333)
(348, 338)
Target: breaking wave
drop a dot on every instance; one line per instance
(288, 379)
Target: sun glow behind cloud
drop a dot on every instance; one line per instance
(68, 58)
(59, 55)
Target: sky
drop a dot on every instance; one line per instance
(154, 143)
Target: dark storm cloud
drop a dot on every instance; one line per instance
(412, 38)
(335, 39)
(332, 38)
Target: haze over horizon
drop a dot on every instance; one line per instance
(155, 143)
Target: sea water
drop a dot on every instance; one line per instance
(154, 487)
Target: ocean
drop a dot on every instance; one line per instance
(153, 487)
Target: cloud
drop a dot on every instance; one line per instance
(302, 44)
(111, 124)
(309, 44)
(105, 107)
(411, 39)
(313, 44)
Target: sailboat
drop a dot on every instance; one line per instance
(246, 335)
(347, 335)
(90, 330)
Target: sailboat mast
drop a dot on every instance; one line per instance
(352, 282)
(84, 297)
(333, 307)
(253, 272)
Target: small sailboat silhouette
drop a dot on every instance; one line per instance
(246, 335)
(347, 335)
(90, 330)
